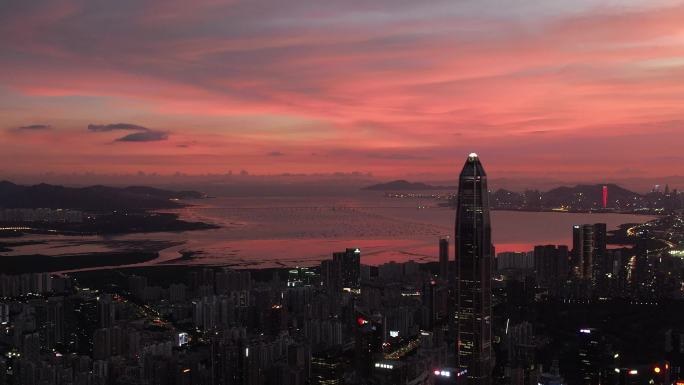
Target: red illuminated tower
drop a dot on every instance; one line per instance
(605, 196)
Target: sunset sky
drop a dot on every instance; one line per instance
(392, 87)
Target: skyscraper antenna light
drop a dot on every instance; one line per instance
(472, 156)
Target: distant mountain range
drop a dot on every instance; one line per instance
(90, 198)
(404, 185)
(589, 195)
(580, 197)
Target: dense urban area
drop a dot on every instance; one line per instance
(602, 311)
(342, 192)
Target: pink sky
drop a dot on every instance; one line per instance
(393, 87)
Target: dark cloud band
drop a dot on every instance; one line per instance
(147, 136)
(116, 127)
(34, 127)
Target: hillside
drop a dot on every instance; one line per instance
(588, 195)
(89, 198)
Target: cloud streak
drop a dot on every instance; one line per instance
(116, 127)
(33, 127)
(141, 134)
(147, 136)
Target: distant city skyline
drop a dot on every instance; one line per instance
(215, 183)
(562, 90)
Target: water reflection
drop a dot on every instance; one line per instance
(266, 232)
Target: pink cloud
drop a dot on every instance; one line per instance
(398, 89)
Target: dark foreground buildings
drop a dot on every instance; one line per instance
(473, 261)
(590, 315)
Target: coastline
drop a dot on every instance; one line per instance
(282, 244)
(111, 224)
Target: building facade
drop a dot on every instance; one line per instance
(473, 286)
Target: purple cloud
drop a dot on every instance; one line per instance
(146, 136)
(116, 127)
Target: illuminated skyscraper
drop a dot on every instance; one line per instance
(589, 249)
(350, 267)
(583, 250)
(577, 239)
(473, 261)
(588, 252)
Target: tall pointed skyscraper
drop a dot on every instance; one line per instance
(473, 260)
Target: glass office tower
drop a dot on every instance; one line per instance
(473, 260)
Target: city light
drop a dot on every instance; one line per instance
(677, 253)
(449, 372)
(182, 339)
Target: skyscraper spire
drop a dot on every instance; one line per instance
(473, 260)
